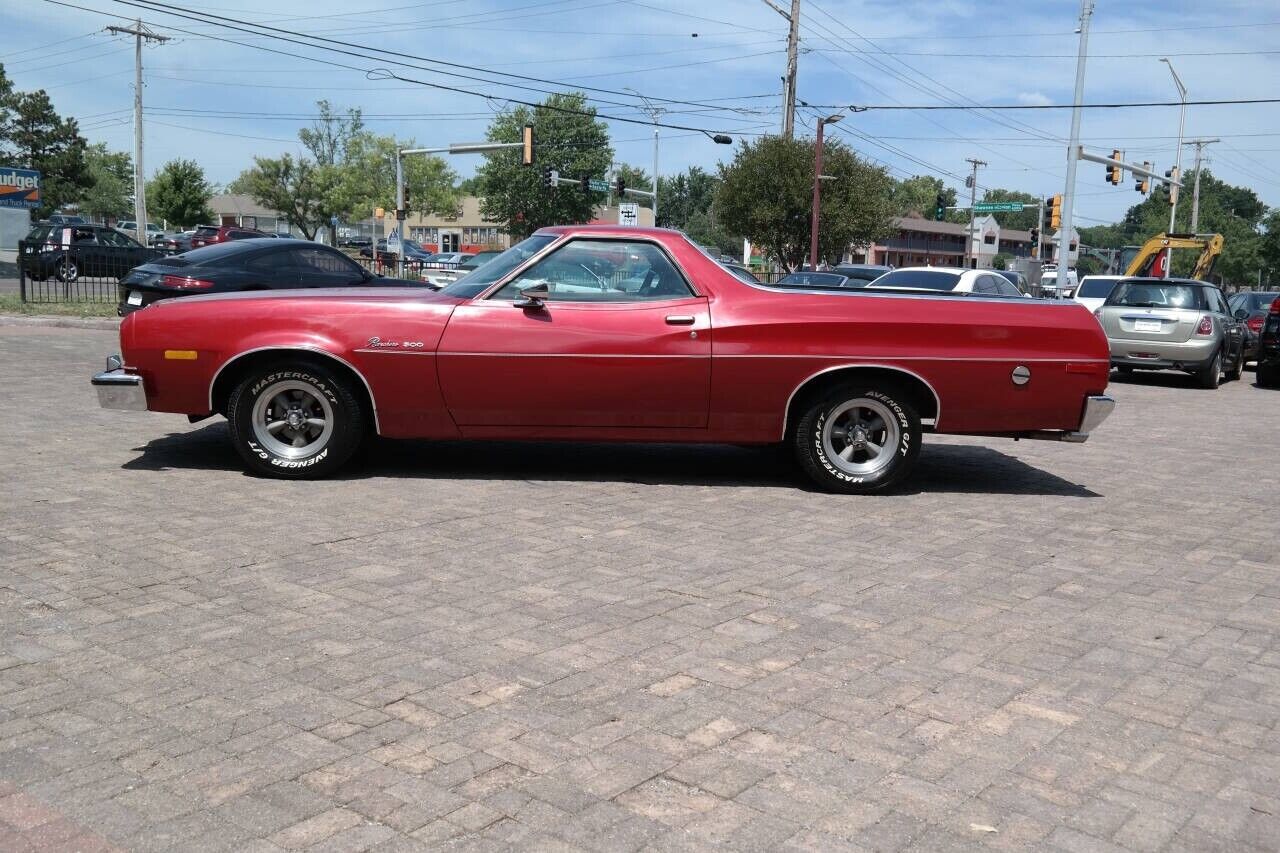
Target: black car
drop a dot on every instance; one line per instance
(72, 252)
(1269, 347)
(1251, 308)
(1017, 279)
(261, 263)
(822, 280)
(860, 275)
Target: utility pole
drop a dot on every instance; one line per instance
(973, 199)
(1073, 146)
(1195, 191)
(789, 81)
(140, 34)
(654, 112)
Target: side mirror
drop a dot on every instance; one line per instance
(533, 296)
(1241, 314)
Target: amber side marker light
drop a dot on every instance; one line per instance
(180, 354)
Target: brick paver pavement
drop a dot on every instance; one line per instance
(545, 647)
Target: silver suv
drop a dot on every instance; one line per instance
(1172, 324)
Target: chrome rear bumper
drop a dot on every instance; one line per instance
(118, 389)
(1096, 410)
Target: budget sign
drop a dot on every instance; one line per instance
(19, 187)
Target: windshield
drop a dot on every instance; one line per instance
(1155, 294)
(920, 279)
(1096, 288)
(473, 283)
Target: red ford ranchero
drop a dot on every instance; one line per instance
(602, 333)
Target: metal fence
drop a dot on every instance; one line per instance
(80, 272)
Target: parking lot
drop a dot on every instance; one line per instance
(613, 648)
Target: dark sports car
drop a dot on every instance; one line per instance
(255, 264)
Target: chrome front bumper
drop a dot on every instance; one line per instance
(119, 390)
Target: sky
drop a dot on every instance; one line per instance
(714, 66)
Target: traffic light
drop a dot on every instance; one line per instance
(548, 179)
(1055, 212)
(1035, 242)
(1047, 218)
(526, 150)
(939, 208)
(619, 187)
(1172, 175)
(379, 213)
(585, 183)
(1115, 174)
(1143, 183)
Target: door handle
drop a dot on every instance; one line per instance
(680, 319)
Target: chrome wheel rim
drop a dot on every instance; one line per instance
(291, 420)
(860, 436)
(69, 271)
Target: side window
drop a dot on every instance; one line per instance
(603, 271)
(1007, 288)
(1215, 300)
(985, 286)
(322, 260)
(273, 262)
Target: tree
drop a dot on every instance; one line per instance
(179, 194)
(1024, 220)
(112, 190)
(637, 179)
(916, 196)
(365, 178)
(686, 202)
(766, 195)
(331, 137)
(34, 136)
(567, 138)
(298, 189)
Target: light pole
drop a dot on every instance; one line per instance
(1177, 166)
(817, 190)
(1073, 146)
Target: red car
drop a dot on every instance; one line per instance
(602, 333)
(207, 235)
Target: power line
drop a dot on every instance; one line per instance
(1100, 106)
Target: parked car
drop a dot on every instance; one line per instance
(1093, 290)
(179, 241)
(1049, 287)
(355, 243)
(813, 279)
(251, 264)
(366, 251)
(1017, 279)
(860, 274)
(71, 252)
(1269, 348)
(439, 278)
(1251, 309)
(956, 280)
(447, 260)
(155, 234)
(740, 271)
(208, 235)
(542, 343)
(1173, 324)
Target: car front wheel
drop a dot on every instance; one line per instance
(297, 420)
(1237, 368)
(857, 439)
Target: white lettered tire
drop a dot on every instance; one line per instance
(857, 439)
(295, 420)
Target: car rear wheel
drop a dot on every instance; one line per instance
(68, 270)
(297, 420)
(1268, 376)
(856, 439)
(1211, 374)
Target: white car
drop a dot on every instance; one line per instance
(951, 279)
(1049, 283)
(1094, 290)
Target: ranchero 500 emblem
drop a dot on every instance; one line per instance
(378, 343)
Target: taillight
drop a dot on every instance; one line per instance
(1255, 324)
(178, 282)
(1275, 306)
(1205, 327)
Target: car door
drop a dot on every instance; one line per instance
(620, 341)
(1232, 330)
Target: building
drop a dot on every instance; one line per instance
(927, 242)
(242, 210)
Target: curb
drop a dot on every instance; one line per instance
(102, 324)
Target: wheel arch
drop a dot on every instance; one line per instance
(235, 368)
(923, 395)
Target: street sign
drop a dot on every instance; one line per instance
(333, 220)
(19, 187)
(598, 185)
(998, 207)
(393, 241)
(628, 213)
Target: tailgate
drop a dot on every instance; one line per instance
(1158, 325)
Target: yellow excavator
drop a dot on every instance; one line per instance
(1148, 258)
